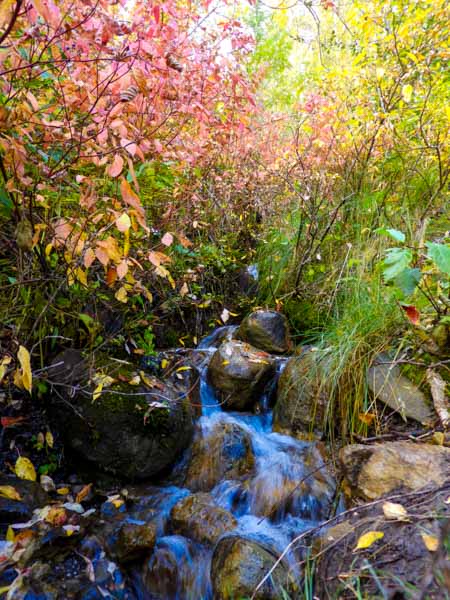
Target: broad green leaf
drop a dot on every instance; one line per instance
(396, 261)
(408, 280)
(397, 235)
(440, 255)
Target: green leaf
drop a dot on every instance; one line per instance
(397, 235)
(440, 255)
(408, 280)
(396, 261)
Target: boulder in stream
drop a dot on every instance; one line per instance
(238, 567)
(373, 471)
(266, 330)
(199, 518)
(225, 452)
(240, 374)
(301, 399)
(133, 431)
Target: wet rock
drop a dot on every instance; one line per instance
(240, 374)
(372, 471)
(266, 330)
(134, 539)
(389, 386)
(301, 402)
(134, 431)
(224, 453)
(197, 517)
(239, 565)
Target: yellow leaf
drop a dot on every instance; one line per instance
(117, 502)
(10, 534)
(7, 491)
(164, 363)
(24, 359)
(24, 469)
(392, 510)
(63, 491)
(83, 493)
(438, 438)
(49, 439)
(407, 91)
(367, 539)
(148, 382)
(431, 542)
(136, 380)
(97, 392)
(4, 366)
(183, 369)
(56, 516)
(121, 295)
(123, 223)
(48, 249)
(5, 11)
(81, 276)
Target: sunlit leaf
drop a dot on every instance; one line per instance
(431, 542)
(367, 539)
(392, 510)
(8, 491)
(24, 469)
(24, 359)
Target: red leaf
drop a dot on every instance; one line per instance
(412, 313)
(11, 421)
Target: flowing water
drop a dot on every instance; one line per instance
(288, 491)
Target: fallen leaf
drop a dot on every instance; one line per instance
(367, 539)
(71, 529)
(431, 542)
(392, 510)
(24, 469)
(164, 363)
(56, 516)
(11, 421)
(367, 418)
(83, 493)
(184, 290)
(24, 359)
(63, 491)
(4, 366)
(7, 491)
(10, 537)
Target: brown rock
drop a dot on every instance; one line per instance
(373, 471)
(240, 373)
(197, 517)
(266, 330)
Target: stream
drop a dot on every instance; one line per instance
(288, 491)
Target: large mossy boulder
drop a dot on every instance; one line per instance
(373, 471)
(301, 402)
(199, 518)
(240, 374)
(134, 430)
(238, 567)
(266, 330)
(224, 452)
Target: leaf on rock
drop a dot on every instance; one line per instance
(8, 491)
(56, 516)
(83, 493)
(24, 469)
(367, 539)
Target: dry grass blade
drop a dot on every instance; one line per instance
(440, 400)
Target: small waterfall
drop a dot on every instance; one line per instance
(287, 491)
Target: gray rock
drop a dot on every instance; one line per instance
(240, 373)
(390, 387)
(266, 330)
